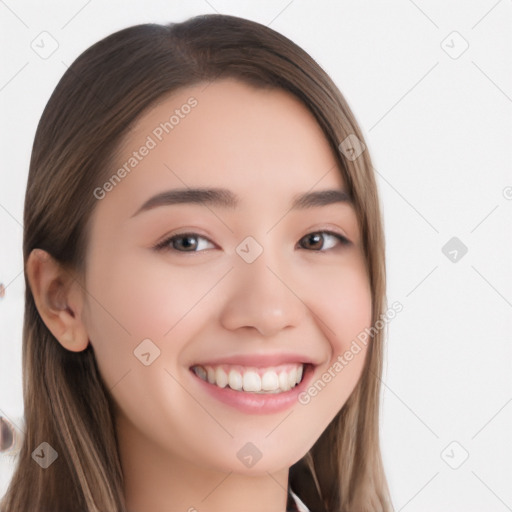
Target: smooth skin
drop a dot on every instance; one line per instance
(196, 301)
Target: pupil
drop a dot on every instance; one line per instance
(315, 236)
(187, 239)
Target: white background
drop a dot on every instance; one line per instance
(439, 131)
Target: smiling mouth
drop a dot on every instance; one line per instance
(273, 379)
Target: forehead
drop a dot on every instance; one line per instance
(264, 145)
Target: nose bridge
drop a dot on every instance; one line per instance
(259, 295)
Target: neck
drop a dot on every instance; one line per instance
(157, 481)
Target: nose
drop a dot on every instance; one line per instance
(261, 297)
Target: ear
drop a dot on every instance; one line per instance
(59, 299)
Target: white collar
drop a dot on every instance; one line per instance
(300, 504)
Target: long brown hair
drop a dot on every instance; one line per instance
(98, 99)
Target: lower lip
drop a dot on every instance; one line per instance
(258, 403)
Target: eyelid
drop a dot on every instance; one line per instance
(328, 228)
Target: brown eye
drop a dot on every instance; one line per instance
(187, 243)
(184, 242)
(317, 240)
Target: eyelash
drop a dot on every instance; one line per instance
(163, 246)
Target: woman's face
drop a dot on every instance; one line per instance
(247, 292)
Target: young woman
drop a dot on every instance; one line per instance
(204, 259)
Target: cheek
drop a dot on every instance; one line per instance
(131, 301)
(342, 305)
(351, 310)
(341, 300)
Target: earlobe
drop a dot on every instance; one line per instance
(75, 342)
(53, 290)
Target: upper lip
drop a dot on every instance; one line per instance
(258, 360)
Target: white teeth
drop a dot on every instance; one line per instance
(299, 374)
(270, 380)
(235, 380)
(283, 381)
(221, 379)
(252, 381)
(292, 378)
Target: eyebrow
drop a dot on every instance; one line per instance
(227, 199)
